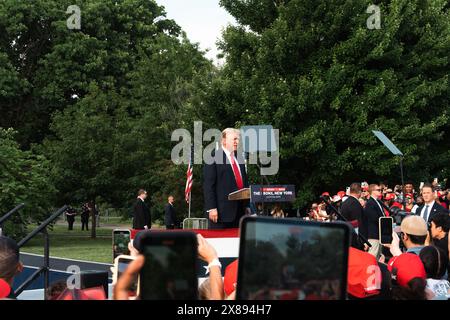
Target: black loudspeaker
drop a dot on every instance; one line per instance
(91, 279)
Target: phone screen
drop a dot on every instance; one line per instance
(386, 230)
(121, 238)
(292, 260)
(122, 265)
(169, 272)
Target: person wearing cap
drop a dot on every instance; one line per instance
(230, 279)
(389, 201)
(430, 208)
(409, 277)
(414, 232)
(10, 266)
(409, 202)
(342, 195)
(366, 278)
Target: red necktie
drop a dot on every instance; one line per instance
(236, 172)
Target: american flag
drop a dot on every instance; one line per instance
(189, 179)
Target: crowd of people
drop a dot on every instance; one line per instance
(414, 266)
(406, 199)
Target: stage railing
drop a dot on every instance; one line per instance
(9, 214)
(42, 228)
(195, 223)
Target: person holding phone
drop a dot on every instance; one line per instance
(141, 212)
(413, 233)
(206, 252)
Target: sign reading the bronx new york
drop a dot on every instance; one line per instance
(272, 193)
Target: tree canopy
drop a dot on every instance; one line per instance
(97, 105)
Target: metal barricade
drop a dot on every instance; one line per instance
(195, 223)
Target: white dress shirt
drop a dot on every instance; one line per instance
(422, 213)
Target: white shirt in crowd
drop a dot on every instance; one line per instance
(440, 288)
(430, 205)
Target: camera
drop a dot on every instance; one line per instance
(398, 214)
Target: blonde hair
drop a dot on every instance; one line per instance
(229, 130)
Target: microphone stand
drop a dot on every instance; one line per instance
(361, 238)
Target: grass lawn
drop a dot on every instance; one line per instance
(77, 244)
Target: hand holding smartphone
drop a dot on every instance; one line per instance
(170, 268)
(121, 239)
(121, 263)
(385, 225)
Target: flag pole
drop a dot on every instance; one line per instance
(190, 192)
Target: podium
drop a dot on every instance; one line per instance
(242, 194)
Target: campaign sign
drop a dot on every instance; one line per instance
(272, 193)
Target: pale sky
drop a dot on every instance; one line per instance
(202, 20)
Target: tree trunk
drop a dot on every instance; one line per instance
(94, 222)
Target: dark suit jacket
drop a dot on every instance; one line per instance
(369, 221)
(351, 209)
(218, 183)
(141, 215)
(170, 217)
(435, 210)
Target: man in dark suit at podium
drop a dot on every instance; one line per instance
(225, 175)
(141, 212)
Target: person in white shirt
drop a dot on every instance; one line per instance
(435, 262)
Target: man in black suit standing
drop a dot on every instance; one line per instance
(369, 222)
(170, 217)
(141, 212)
(351, 208)
(225, 175)
(430, 208)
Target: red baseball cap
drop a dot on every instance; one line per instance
(406, 267)
(364, 274)
(5, 289)
(389, 196)
(230, 277)
(326, 194)
(365, 188)
(341, 194)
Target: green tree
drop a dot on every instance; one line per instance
(315, 71)
(115, 141)
(46, 66)
(24, 177)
